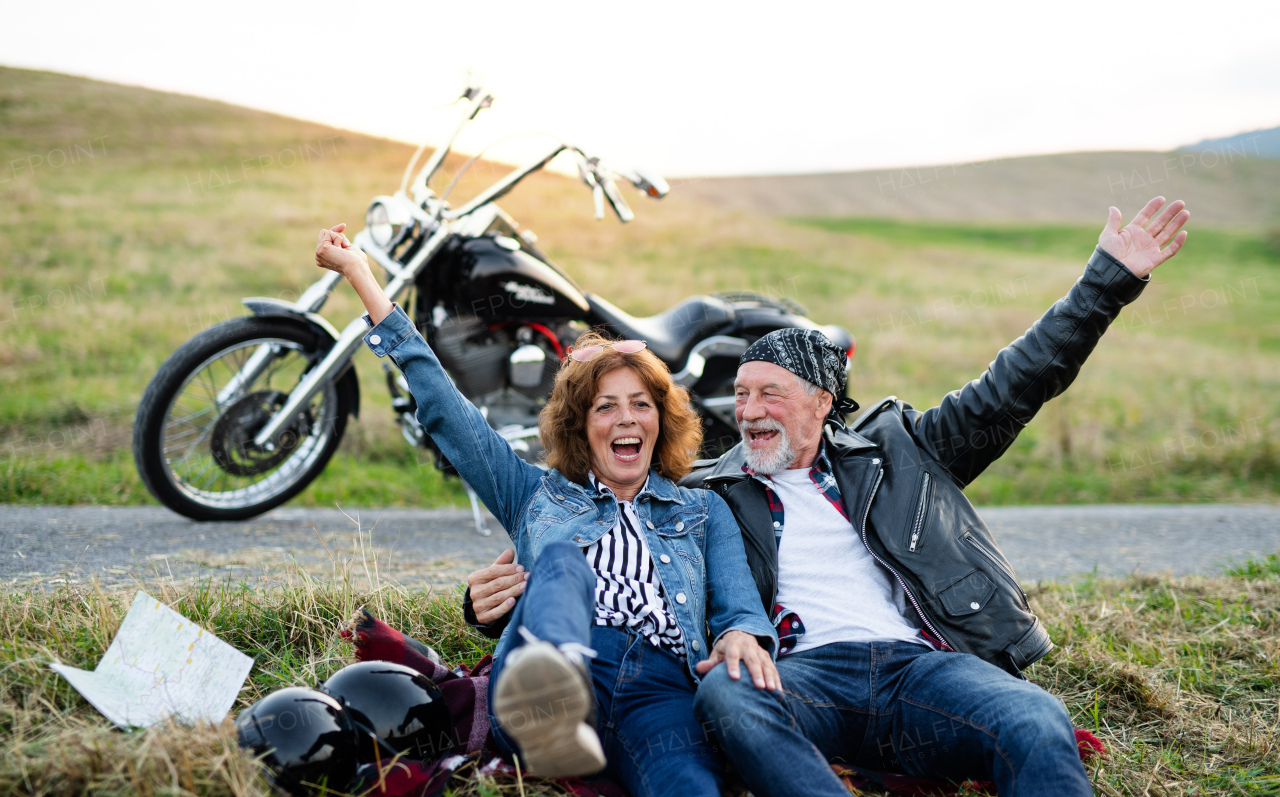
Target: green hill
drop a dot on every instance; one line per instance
(1224, 187)
(133, 219)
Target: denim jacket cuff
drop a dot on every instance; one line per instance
(391, 332)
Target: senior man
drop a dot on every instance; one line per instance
(903, 629)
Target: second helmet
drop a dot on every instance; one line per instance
(403, 707)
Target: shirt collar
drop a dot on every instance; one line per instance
(604, 489)
(822, 464)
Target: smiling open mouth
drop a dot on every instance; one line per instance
(762, 437)
(627, 449)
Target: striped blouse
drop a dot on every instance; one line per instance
(628, 591)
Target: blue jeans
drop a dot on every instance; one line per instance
(892, 706)
(644, 694)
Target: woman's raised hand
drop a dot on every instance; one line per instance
(335, 252)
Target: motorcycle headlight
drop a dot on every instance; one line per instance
(388, 221)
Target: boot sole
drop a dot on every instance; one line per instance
(542, 704)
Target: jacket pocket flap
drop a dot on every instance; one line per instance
(678, 524)
(968, 595)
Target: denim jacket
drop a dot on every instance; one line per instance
(693, 537)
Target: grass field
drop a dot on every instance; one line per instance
(133, 219)
(1178, 678)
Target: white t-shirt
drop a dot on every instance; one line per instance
(828, 577)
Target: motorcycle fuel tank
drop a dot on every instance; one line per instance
(506, 282)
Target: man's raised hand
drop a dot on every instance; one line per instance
(1139, 244)
(494, 589)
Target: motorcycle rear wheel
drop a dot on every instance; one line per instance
(192, 438)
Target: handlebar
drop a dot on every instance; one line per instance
(594, 174)
(615, 199)
(597, 177)
(479, 100)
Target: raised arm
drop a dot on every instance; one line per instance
(974, 425)
(482, 456)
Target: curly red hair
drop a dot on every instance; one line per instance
(562, 423)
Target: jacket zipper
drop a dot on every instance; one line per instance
(916, 529)
(969, 538)
(906, 591)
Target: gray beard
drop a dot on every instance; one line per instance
(779, 457)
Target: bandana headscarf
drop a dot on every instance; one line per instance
(808, 354)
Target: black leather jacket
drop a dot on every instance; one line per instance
(902, 471)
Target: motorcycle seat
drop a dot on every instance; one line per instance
(671, 333)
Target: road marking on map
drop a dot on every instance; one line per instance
(161, 665)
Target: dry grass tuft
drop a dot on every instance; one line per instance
(84, 757)
(1176, 676)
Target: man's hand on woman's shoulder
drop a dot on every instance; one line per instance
(1138, 245)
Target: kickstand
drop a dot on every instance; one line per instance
(477, 513)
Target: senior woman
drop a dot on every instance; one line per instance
(628, 571)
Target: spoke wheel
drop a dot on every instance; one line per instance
(194, 435)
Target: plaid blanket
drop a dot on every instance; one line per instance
(466, 694)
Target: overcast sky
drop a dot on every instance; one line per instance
(698, 88)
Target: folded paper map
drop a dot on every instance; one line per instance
(161, 665)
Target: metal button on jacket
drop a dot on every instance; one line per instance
(696, 646)
(649, 523)
(665, 559)
(680, 597)
(680, 526)
(375, 339)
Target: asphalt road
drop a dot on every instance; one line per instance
(44, 546)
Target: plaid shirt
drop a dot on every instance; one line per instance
(822, 477)
(790, 627)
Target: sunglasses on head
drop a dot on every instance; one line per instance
(621, 346)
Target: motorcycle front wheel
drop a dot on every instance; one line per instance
(193, 436)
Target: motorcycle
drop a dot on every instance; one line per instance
(244, 415)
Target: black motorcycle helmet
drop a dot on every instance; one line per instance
(304, 736)
(400, 705)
